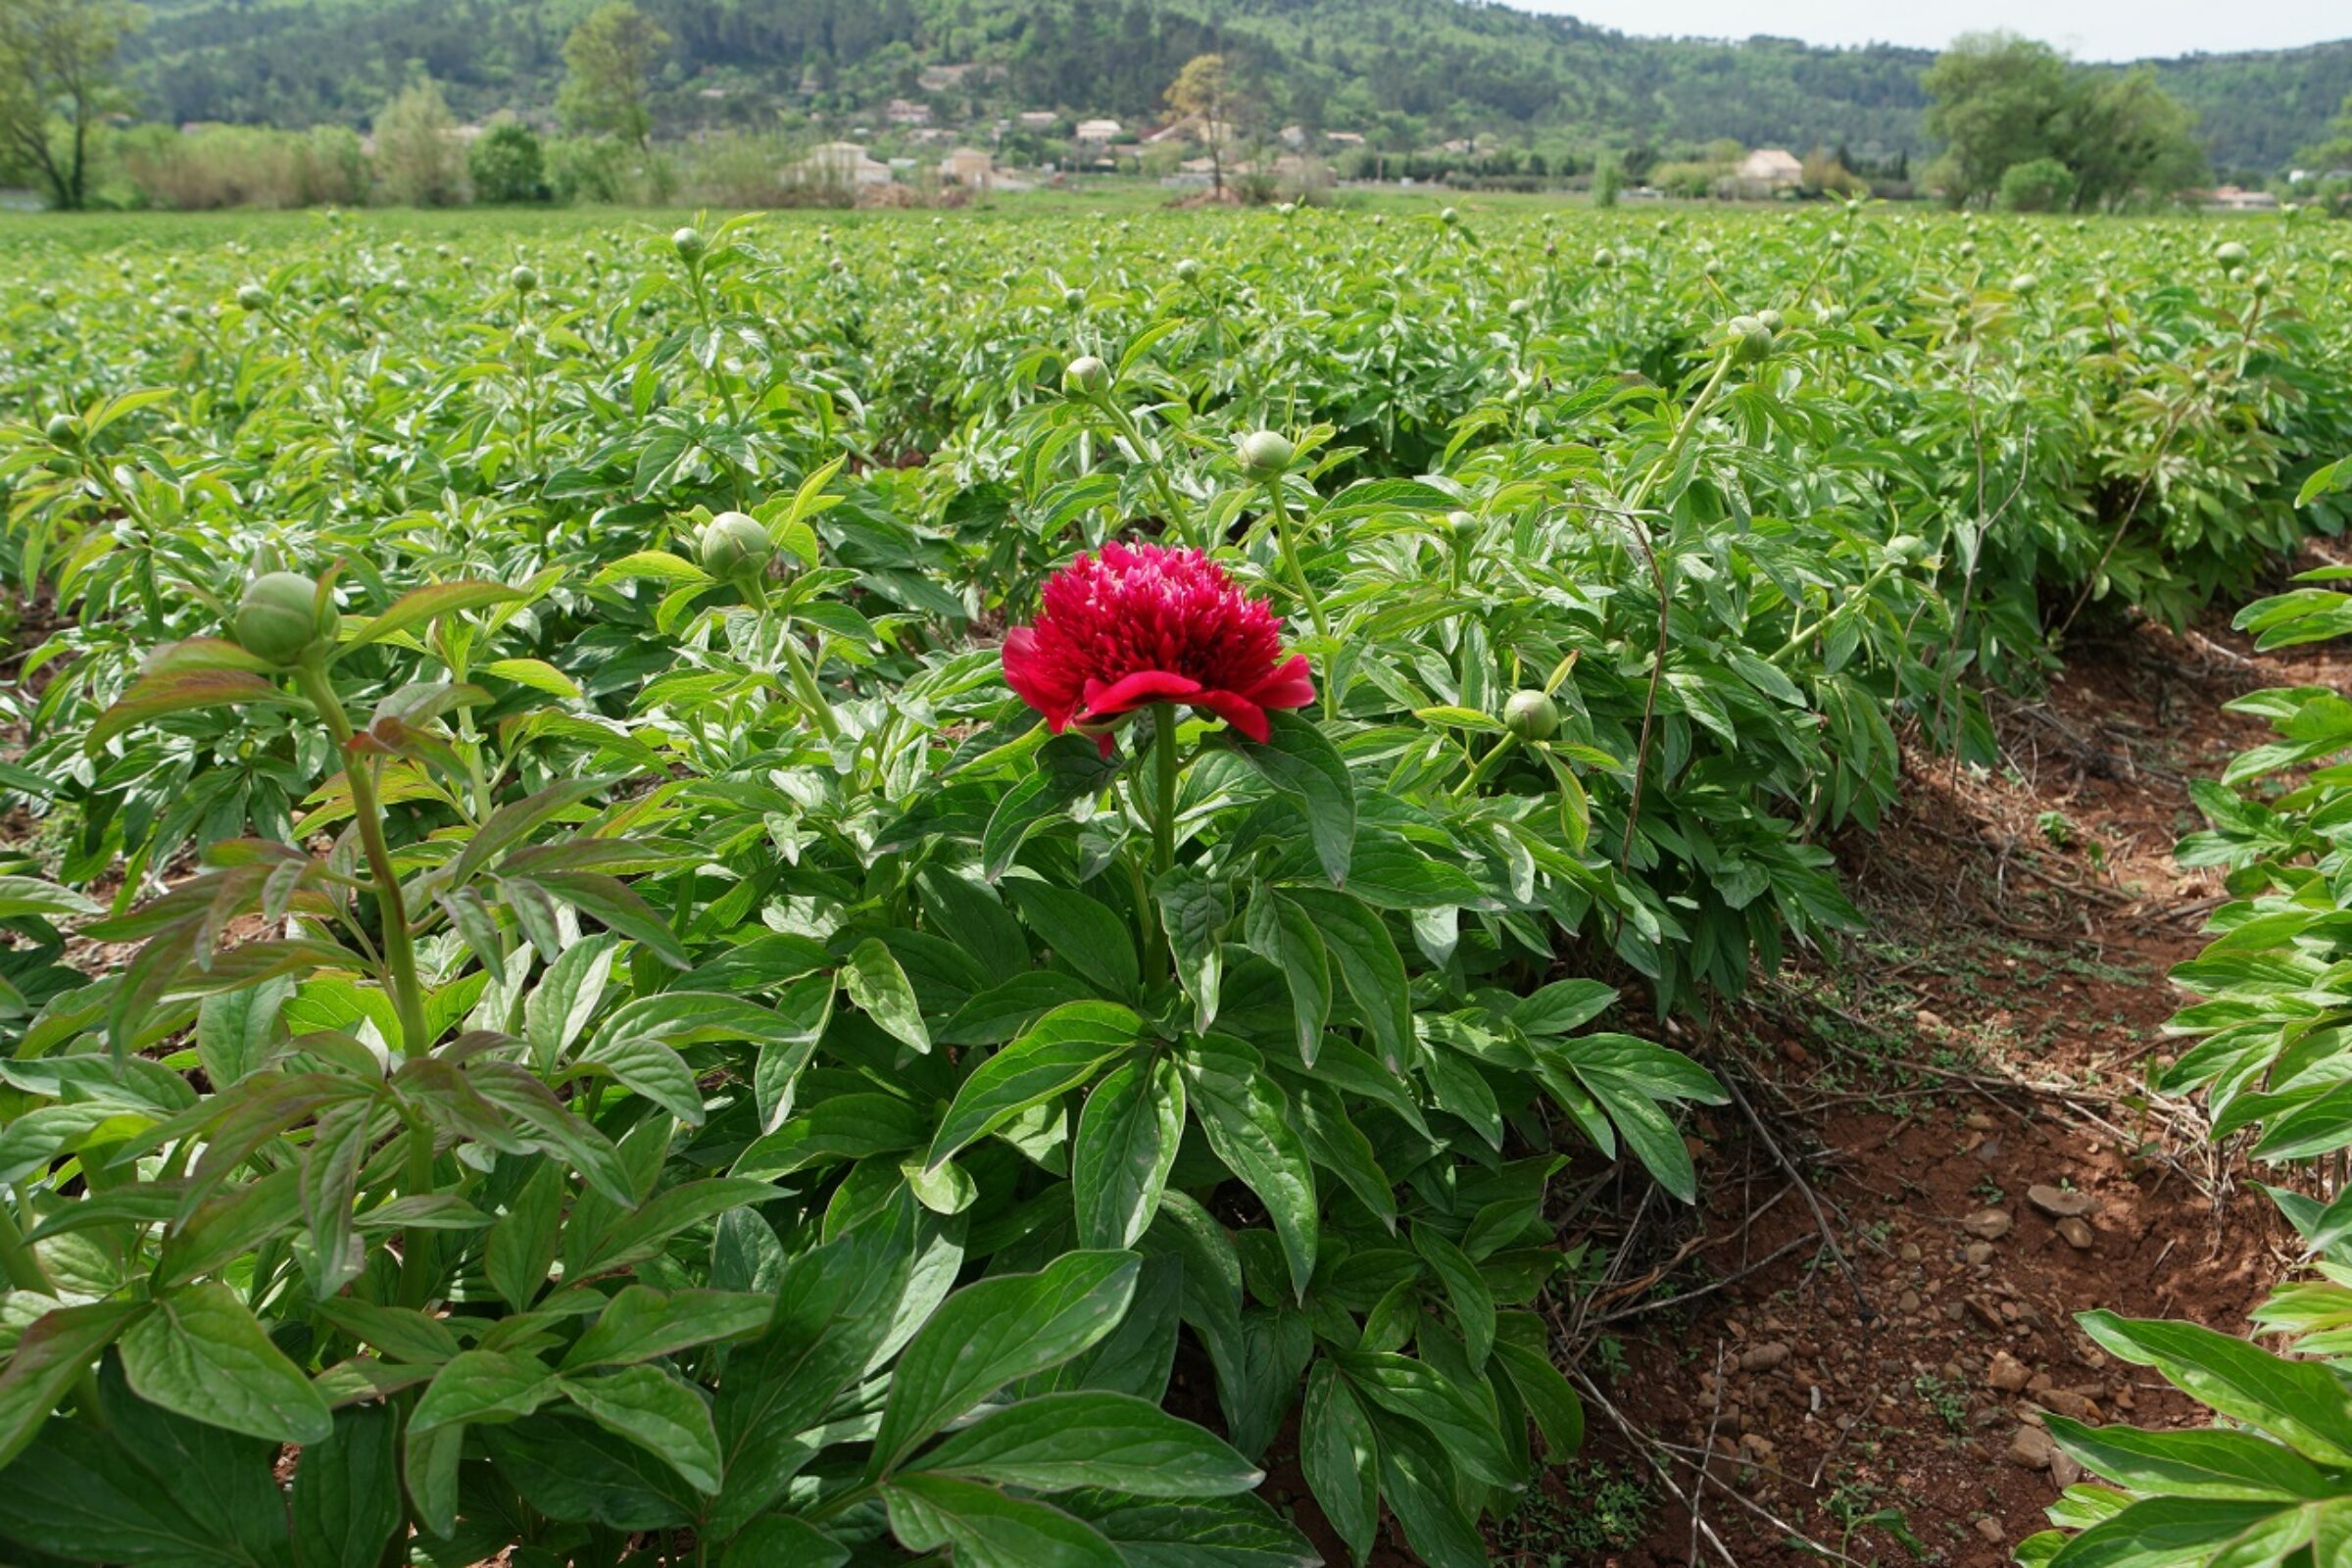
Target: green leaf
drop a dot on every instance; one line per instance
(1300, 760)
(1340, 1456)
(201, 1353)
(23, 895)
(1200, 1533)
(1416, 1390)
(1280, 932)
(346, 1491)
(1194, 914)
(1084, 933)
(1053, 1055)
(483, 1385)
(1128, 1135)
(994, 1331)
(521, 1245)
(614, 902)
(778, 1540)
(1060, 1442)
(2212, 1462)
(1545, 1390)
(233, 1029)
(1370, 965)
(2302, 1403)
(48, 1357)
(2172, 1533)
(1564, 1006)
(657, 1412)
(1465, 1290)
(420, 606)
(879, 986)
(642, 1323)
(646, 1067)
(1247, 1118)
(167, 692)
(983, 1528)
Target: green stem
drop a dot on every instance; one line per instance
(1163, 812)
(400, 950)
(1682, 435)
(803, 679)
(1486, 767)
(1806, 634)
(1178, 522)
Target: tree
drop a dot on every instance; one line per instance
(609, 63)
(2037, 185)
(1204, 88)
(2336, 151)
(56, 78)
(2123, 134)
(1996, 97)
(507, 164)
(2002, 102)
(417, 150)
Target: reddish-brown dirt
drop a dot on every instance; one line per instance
(1982, 1046)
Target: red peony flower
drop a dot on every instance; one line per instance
(1139, 625)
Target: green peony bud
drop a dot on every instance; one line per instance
(1086, 376)
(280, 618)
(690, 244)
(735, 545)
(523, 279)
(1187, 270)
(1532, 715)
(64, 430)
(1264, 454)
(1751, 340)
(1907, 547)
(2232, 255)
(253, 297)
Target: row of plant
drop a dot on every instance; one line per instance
(2269, 1485)
(614, 1007)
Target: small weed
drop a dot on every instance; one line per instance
(1595, 1509)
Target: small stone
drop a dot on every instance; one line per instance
(1978, 1122)
(1978, 1252)
(1909, 1252)
(2077, 1233)
(1908, 1301)
(1987, 1224)
(1927, 1019)
(1991, 1530)
(2007, 1373)
(2063, 1470)
(2060, 1204)
(1757, 1447)
(2072, 1403)
(2031, 1449)
(1954, 1311)
(1763, 1358)
(1988, 1153)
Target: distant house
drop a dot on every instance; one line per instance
(939, 79)
(969, 168)
(1344, 138)
(906, 111)
(837, 163)
(1292, 136)
(1038, 119)
(1098, 132)
(2233, 199)
(1775, 167)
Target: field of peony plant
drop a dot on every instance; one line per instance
(719, 896)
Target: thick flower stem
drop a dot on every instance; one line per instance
(1290, 553)
(802, 678)
(400, 950)
(1148, 461)
(1163, 810)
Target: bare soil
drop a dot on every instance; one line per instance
(1960, 1090)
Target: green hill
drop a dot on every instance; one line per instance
(1396, 69)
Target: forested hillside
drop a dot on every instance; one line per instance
(1394, 68)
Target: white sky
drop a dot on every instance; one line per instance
(2088, 30)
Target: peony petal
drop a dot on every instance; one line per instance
(1238, 710)
(1291, 685)
(1131, 692)
(1031, 678)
